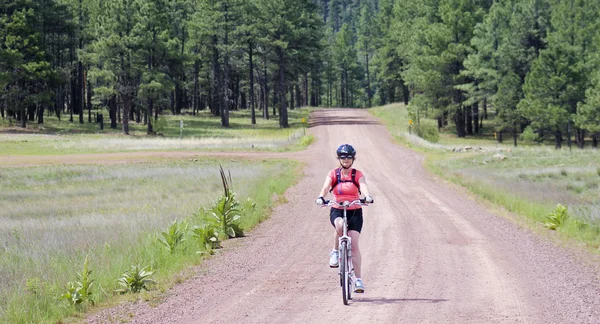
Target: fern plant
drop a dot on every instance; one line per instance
(135, 280)
(557, 218)
(174, 236)
(80, 291)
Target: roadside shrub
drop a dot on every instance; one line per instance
(207, 236)
(135, 280)
(306, 140)
(160, 125)
(427, 131)
(528, 135)
(80, 291)
(563, 172)
(557, 218)
(174, 236)
(225, 213)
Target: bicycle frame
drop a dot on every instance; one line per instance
(346, 269)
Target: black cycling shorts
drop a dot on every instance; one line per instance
(355, 218)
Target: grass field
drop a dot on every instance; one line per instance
(200, 132)
(55, 216)
(529, 180)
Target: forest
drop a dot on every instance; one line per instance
(533, 64)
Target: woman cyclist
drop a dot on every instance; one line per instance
(346, 184)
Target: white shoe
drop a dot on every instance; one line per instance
(334, 259)
(359, 287)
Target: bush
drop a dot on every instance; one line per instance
(428, 131)
(174, 236)
(160, 125)
(135, 280)
(557, 218)
(528, 135)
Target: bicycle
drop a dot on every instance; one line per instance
(346, 270)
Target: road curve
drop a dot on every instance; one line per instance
(430, 254)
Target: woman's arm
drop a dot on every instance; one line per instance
(326, 187)
(363, 186)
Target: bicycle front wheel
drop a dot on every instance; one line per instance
(344, 272)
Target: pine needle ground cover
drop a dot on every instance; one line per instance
(54, 218)
(530, 181)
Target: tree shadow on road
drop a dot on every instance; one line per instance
(383, 301)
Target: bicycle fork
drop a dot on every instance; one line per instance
(350, 266)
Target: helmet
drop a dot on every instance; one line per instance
(346, 149)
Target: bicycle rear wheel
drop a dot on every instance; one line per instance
(344, 271)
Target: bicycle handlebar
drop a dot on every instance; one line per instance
(360, 202)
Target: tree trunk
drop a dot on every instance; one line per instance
(306, 100)
(23, 115)
(557, 139)
(40, 114)
(251, 79)
(485, 112)
(298, 95)
(469, 116)
(112, 113)
(515, 134)
(215, 105)
(595, 141)
(80, 89)
(475, 111)
(89, 99)
(126, 97)
(266, 86)
(406, 93)
(459, 119)
(150, 129)
(368, 81)
(580, 137)
(283, 116)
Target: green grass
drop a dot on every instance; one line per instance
(200, 132)
(55, 216)
(529, 180)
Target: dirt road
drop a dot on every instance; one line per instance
(430, 255)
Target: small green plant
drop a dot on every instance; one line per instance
(80, 291)
(160, 125)
(225, 212)
(306, 140)
(575, 188)
(528, 135)
(33, 286)
(581, 225)
(598, 171)
(174, 236)
(557, 218)
(207, 236)
(428, 131)
(563, 172)
(135, 280)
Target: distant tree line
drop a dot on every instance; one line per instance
(534, 63)
(139, 58)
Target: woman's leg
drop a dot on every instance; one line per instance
(356, 258)
(339, 230)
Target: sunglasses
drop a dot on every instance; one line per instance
(346, 157)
